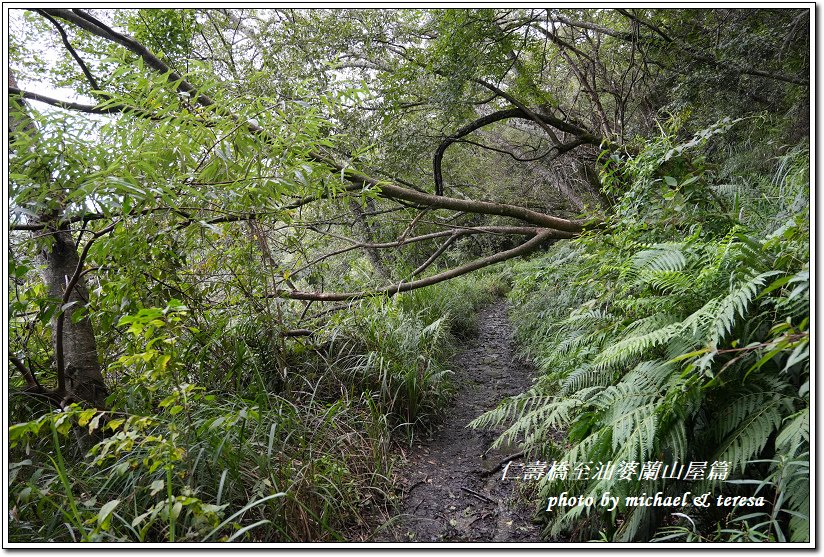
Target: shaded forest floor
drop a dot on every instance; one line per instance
(452, 488)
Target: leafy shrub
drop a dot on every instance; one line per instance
(259, 455)
(674, 339)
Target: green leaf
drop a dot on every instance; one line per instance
(85, 416)
(63, 425)
(19, 432)
(156, 486)
(103, 517)
(114, 424)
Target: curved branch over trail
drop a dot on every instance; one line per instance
(582, 137)
(393, 289)
(391, 191)
(550, 226)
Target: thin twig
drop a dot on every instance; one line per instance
(480, 496)
(501, 464)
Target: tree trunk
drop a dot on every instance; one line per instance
(82, 379)
(79, 375)
(368, 236)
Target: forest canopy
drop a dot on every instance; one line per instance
(244, 245)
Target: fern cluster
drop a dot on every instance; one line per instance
(672, 341)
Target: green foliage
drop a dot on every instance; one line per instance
(198, 467)
(667, 340)
(173, 461)
(678, 330)
(168, 33)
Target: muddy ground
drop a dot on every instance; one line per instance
(451, 484)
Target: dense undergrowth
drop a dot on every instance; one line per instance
(291, 452)
(679, 334)
(204, 188)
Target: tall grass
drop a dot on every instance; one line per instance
(218, 435)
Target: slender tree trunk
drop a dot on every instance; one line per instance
(368, 236)
(79, 375)
(82, 378)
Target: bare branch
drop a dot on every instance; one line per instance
(591, 26)
(451, 240)
(458, 232)
(96, 27)
(393, 289)
(581, 135)
(722, 64)
(31, 380)
(85, 108)
(83, 67)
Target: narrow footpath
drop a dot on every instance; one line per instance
(452, 490)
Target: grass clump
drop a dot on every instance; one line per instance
(219, 434)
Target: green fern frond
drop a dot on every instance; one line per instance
(749, 438)
(673, 442)
(750, 253)
(701, 321)
(735, 305)
(668, 282)
(794, 437)
(650, 375)
(622, 399)
(650, 324)
(510, 409)
(588, 318)
(646, 305)
(748, 401)
(584, 377)
(734, 191)
(662, 257)
(634, 433)
(635, 346)
(574, 340)
(535, 424)
(797, 497)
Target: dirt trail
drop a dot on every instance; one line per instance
(448, 496)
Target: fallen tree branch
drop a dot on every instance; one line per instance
(582, 137)
(393, 289)
(480, 496)
(386, 189)
(500, 465)
(296, 333)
